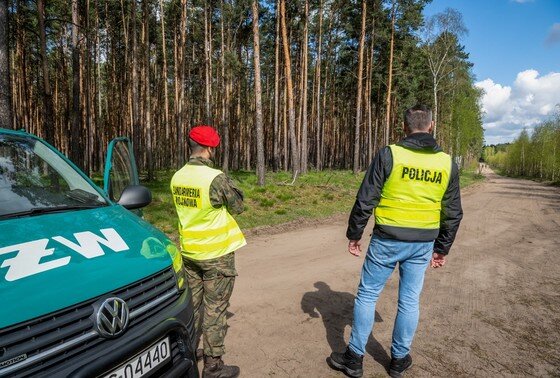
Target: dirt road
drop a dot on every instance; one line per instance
(494, 310)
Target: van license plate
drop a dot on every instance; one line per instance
(144, 362)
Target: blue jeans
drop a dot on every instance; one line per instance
(381, 258)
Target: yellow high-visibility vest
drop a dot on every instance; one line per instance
(412, 194)
(205, 232)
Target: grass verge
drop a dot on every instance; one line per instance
(314, 195)
(469, 177)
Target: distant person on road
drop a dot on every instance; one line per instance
(205, 198)
(481, 165)
(414, 187)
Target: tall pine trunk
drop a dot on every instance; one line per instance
(48, 120)
(164, 74)
(207, 66)
(5, 91)
(390, 78)
(371, 138)
(224, 92)
(180, 86)
(318, 126)
(258, 95)
(276, 127)
(76, 137)
(135, 96)
(90, 149)
(356, 165)
(289, 91)
(304, 152)
(147, 92)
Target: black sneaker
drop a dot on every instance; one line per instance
(214, 367)
(348, 362)
(399, 366)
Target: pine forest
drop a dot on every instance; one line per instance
(290, 85)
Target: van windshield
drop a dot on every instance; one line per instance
(36, 180)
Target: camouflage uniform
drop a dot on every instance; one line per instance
(211, 281)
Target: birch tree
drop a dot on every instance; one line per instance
(440, 34)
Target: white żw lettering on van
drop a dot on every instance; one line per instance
(27, 262)
(88, 243)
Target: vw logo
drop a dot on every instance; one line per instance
(111, 317)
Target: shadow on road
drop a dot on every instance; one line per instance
(335, 309)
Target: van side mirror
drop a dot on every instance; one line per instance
(135, 197)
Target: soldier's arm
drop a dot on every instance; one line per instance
(451, 214)
(223, 192)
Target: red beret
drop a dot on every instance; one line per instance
(205, 136)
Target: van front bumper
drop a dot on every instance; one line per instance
(176, 321)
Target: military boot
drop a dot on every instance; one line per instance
(214, 367)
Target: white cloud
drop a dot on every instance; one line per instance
(528, 102)
(553, 35)
(495, 100)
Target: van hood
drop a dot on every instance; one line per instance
(53, 261)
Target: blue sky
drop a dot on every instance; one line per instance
(515, 48)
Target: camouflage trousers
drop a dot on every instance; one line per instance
(211, 283)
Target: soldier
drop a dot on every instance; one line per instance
(205, 198)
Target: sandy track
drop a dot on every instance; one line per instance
(494, 310)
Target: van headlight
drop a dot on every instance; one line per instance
(177, 266)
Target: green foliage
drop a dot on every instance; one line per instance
(535, 156)
(466, 132)
(266, 202)
(284, 197)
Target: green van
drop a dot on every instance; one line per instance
(87, 288)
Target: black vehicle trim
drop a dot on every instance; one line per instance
(81, 339)
(152, 304)
(47, 353)
(114, 358)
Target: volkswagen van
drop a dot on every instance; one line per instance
(87, 288)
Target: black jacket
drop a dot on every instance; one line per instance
(369, 195)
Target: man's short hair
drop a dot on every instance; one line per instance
(418, 118)
(195, 147)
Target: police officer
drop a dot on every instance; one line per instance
(414, 187)
(205, 199)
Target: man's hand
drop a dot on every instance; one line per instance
(354, 247)
(438, 260)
